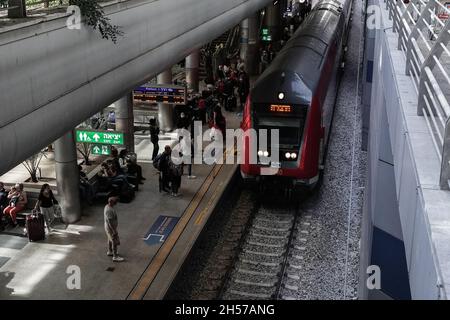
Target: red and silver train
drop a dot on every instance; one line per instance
(296, 95)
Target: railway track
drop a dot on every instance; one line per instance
(264, 265)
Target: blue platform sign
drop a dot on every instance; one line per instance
(160, 230)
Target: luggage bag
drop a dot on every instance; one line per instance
(35, 227)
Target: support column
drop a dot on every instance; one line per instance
(273, 21)
(165, 111)
(125, 120)
(18, 9)
(249, 43)
(67, 177)
(192, 66)
(243, 51)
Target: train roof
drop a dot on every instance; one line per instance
(304, 53)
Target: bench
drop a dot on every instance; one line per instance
(32, 196)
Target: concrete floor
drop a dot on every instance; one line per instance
(38, 270)
(42, 270)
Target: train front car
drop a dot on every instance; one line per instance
(296, 96)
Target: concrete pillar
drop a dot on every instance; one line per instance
(272, 20)
(67, 177)
(18, 9)
(125, 120)
(244, 40)
(249, 43)
(192, 70)
(165, 111)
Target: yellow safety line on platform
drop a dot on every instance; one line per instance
(140, 289)
(202, 214)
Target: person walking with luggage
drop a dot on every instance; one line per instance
(154, 137)
(46, 202)
(111, 224)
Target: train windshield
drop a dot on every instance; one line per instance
(290, 121)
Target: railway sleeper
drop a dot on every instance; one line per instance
(252, 288)
(263, 283)
(264, 253)
(265, 244)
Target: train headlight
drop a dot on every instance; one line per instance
(302, 1)
(266, 153)
(281, 96)
(287, 155)
(293, 155)
(260, 153)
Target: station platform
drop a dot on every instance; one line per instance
(42, 270)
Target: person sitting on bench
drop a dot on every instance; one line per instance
(17, 202)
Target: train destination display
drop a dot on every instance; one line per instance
(148, 94)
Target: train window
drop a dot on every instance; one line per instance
(290, 129)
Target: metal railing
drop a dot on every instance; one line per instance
(423, 28)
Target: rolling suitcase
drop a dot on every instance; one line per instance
(35, 227)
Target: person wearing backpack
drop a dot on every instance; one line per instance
(161, 163)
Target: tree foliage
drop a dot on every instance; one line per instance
(95, 17)
(32, 165)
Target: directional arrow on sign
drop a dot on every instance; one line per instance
(96, 149)
(96, 137)
(160, 236)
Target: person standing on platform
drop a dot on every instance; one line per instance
(176, 171)
(46, 205)
(164, 167)
(220, 122)
(243, 87)
(183, 122)
(154, 137)
(111, 224)
(191, 146)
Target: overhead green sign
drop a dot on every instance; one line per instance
(99, 137)
(266, 35)
(102, 150)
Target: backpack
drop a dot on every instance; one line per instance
(176, 170)
(127, 194)
(157, 160)
(221, 86)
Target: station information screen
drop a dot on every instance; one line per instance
(149, 94)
